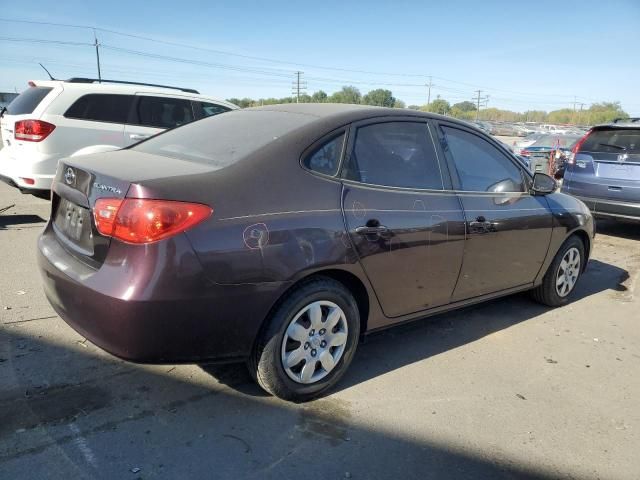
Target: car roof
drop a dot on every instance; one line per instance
(347, 113)
(117, 88)
(633, 122)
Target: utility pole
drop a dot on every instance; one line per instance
(95, 40)
(429, 85)
(479, 98)
(299, 86)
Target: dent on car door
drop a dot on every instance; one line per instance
(508, 230)
(153, 115)
(407, 230)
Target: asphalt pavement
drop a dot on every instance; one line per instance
(509, 389)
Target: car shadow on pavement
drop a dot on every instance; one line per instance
(403, 345)
(15, 220)
(72, 412)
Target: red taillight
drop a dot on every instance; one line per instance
(33, 130)
(524, 152)
(576, 147)
(137, 220)
(28, 181)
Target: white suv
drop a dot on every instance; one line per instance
(56, 119)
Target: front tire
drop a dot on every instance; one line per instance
(308, 342)
(562, 275)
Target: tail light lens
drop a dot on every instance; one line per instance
(139, 221)
(577, 146)
(525, 152)
(32, 130)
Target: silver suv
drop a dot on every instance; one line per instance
(604, 171)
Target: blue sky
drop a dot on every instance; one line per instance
(525, 55)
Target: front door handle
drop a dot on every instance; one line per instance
(481, 225)
(138, 136)
(377, 230)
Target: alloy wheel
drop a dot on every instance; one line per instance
(568, 272)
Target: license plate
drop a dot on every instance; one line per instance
(74, 222)
(619, 171)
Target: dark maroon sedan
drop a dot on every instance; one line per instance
(280, 235)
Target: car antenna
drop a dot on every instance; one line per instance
(43, 67)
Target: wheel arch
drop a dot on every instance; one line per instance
(586, 242)
(348, 279)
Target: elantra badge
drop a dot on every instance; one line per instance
(107, 188)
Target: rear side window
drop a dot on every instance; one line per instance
(163, 112)
(481, 167)
(206, 109)
(100, 107)
(617, 140)
(326, 158)
(28, 100)
(394, 154)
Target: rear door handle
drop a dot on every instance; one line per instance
(378, 230)
(138, 136)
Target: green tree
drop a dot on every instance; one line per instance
(461, 114)
(439, 105)
(399, 104)
(348, 94)
(465, 106)
(319, 97)
(379, 98)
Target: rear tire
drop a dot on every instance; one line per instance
(563, 274)
(295, 357)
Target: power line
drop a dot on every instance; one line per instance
(44, 40)
(283, 62)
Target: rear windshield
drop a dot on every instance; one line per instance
(553, 141)
(617, 140)
(27, 101)
(222, 140)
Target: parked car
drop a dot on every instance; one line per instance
(55, 119)
(554, 129)
(528, 140)
(605, 170)
(550, 153)
(279, 235)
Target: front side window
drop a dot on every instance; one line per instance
(163, 112)
(326, 158)
(394, 154)
(481, 167)
(99, 107)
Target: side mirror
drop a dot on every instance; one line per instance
(543, 184)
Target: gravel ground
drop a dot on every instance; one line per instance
(509, 389)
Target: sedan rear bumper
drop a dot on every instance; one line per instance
(166, 317)
(612, 208)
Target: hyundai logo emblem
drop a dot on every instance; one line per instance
(70, 176)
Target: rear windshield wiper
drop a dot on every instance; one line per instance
(617, 147)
